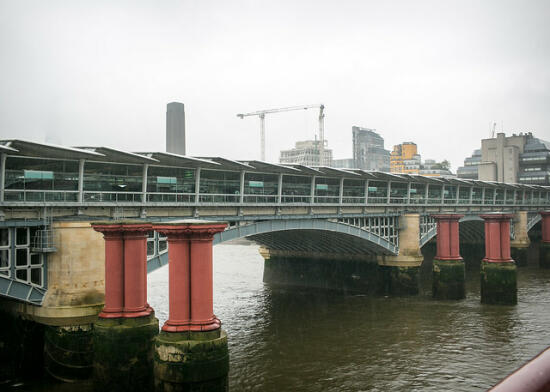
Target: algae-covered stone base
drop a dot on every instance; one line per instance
(519, 255)
(399, 280)
(21, 348)
(123, 353)
(68, 352)
(448, 279)
(191, 361)
(348, 276)
(499, 283)
(544, 255)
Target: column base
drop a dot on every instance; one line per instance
(123, 353)
(68, 354)
(544, 255)
(191, 361)
(499, 283)
(519, 255)
(448, 279)
(399, 280)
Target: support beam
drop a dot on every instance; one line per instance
(2, 175)
(80, 180)
(144, 183)
(448, 266)
(191, 351)
(241, 187)
(280, 189)
(544, 253)
(197, 184)
(498, 270)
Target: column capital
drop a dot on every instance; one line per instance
(191, 229)
(453, 217)
(496, 217)
(544, 214)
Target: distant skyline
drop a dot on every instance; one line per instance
(437, 73)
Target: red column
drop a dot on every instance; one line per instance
(114, 270)
(190, 275)
(448, 243)
(497, 238)
(545, 226)
(135, 269)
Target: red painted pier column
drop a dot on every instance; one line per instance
(544, 254)
(448, 266)
(125, 330)
(192, 331)
(114, 269)
(135, 269)
(498, 270)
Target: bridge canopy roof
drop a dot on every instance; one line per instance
(171, 159)
(45, 150)
(109, 154)
(271, 167)
(228, 164)
(331, 171)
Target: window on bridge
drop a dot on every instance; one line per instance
(260, 187)
(449, 194)
(489, 196)
(434, 194)
(464, 195)
(527, 197)
(5, 245)
(327, 190)
(354, 191)
(519, 197)
(170, 184)
(217, 186)
(418, 193)
(39, 179)
(28, 266)
(398, 192)
(112, 182)
(378, 192)
(296, 189)
(510, 196)
(477, 196)
(499, 198)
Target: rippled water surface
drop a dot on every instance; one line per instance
(294, 339)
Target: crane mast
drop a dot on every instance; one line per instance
(261, 114)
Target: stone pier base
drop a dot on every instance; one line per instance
(499, 283)
(68, 354)
(519, 255)
(123, 353)
(544, 255)
(448, 279)
(191, 361)
(349, 275)
(400, 280)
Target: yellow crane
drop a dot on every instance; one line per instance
(262, 113)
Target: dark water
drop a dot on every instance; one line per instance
(294, 339)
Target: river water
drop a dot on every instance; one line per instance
(295, 339)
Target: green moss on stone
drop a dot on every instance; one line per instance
(544, 255)
(498, 283)
(448, 279)
(123, 353)
(519, 255)
(200, 364)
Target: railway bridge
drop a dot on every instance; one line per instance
(319, 226)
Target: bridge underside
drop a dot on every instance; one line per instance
(318, 241)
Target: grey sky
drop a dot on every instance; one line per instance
(434, 72)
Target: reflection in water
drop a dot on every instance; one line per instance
(295, 339)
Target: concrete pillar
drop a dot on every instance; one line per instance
(498, 270)
(520, 244)
(448, 266)
(124, 331)
(544, 254)
(191, 351)
(400, 273)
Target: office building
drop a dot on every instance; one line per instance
(368, 150)
(307, 153)
(405, 159)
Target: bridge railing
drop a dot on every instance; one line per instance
(29, 195)
(115, 197)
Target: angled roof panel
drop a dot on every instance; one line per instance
(271, 167)
(119, 156)
(171, 159)
(46, 150)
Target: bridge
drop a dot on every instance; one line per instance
(367, 229)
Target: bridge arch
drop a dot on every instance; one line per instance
(290, 234)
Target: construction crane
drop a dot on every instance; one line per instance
(262, 113)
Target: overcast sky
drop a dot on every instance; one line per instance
(437, 73)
